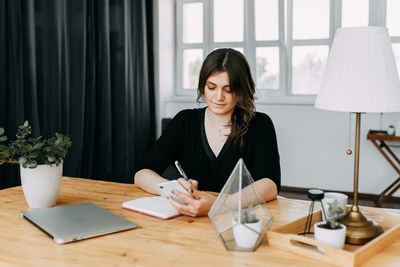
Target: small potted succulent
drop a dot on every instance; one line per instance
(247, 229)
(331, 232)
(40, 161)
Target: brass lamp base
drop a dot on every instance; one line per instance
(360, 229)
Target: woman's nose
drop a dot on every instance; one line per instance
(220, 94)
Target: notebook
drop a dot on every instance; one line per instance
(158, 207)
(75, 222)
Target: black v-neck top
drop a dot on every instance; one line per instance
(185, 140)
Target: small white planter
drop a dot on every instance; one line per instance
(333, 237)
(41, 185)
(245, 237)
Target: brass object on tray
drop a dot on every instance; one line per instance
(360, 229)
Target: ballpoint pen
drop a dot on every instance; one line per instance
(182, 172)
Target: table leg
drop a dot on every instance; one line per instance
(383, 197)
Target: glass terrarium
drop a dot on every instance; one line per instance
(240, 214)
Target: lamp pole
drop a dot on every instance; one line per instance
(360, 229)
(356, 162)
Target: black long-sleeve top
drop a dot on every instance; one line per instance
(185, 140)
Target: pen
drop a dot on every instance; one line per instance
(182, 172)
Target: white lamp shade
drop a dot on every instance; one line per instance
(361, 74)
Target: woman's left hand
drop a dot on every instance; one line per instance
(199, 205)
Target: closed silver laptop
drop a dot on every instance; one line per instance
(75, 222)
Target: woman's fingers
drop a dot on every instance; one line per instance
(195, 183)
(188, 199)
(188, 186)
(182, 208)
(184, 183)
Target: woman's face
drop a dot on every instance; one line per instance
(218, 95)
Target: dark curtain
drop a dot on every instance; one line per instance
(81, 68)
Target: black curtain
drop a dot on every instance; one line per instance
(81, 68)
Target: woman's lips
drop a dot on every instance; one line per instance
(219, 105)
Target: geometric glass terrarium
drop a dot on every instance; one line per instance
(240, 215)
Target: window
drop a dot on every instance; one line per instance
(285, 41)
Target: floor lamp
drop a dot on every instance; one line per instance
(360, 77)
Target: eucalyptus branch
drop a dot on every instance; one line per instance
(30, 152)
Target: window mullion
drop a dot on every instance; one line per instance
(336, 18)
(208, 26)
(249, 46)
(289, 46)
(282, 49)
(377, 12)
(179, 48)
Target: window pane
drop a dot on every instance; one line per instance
(267, 67)
(396, 50)
(193, 23)
(266, 12)
(393, 17)
(310, 19)
(228, 20)
(192, 59)
(355, 13)
(308, 66)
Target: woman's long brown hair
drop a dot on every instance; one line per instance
(241, 83)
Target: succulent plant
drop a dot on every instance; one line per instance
(247, 216)
(30, 152)
(335, 211)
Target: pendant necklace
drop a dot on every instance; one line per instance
(216, 128)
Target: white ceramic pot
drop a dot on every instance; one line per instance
(333, 237)
(41, 185)
(245, 237)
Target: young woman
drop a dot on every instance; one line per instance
(208, 142)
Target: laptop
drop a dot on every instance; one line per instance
(75, 222)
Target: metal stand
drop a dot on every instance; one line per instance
(313, 195)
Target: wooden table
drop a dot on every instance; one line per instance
(387, 153)
(182, 241)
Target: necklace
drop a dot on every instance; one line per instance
(225, 129)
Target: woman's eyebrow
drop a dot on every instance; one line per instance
(211, 83)
(216, 85)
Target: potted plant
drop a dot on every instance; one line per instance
(247, 229)
(331, 232)
(40, 161)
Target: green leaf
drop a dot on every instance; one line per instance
(22, 160)
(1, 131)
(30, 152)
(37, 146)
(32, 165)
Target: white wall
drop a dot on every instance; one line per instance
(312, 143)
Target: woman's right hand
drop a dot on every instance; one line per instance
(198, 205)
(193, 184)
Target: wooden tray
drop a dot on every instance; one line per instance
(287, 238)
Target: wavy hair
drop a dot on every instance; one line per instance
(241, 83)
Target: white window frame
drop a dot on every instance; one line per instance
(283, 95)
